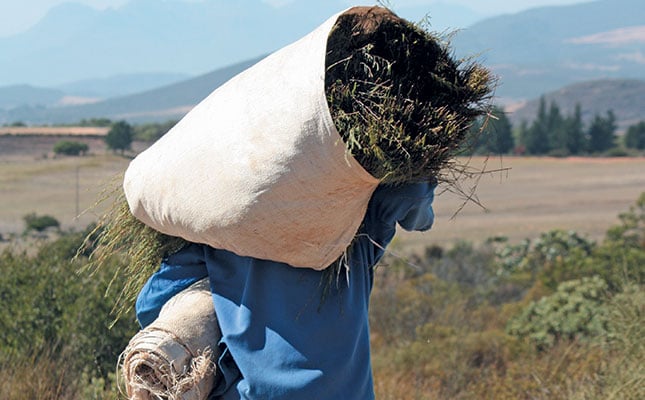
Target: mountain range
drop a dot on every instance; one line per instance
(76, 42)
(154, 45)
(542, 49)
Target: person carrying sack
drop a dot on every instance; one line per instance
(286, 185)
(287, 333)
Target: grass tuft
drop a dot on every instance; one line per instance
(119, 234)
(400, 101)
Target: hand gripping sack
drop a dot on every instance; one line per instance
(258, 168)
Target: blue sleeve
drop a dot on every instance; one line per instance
(177, 272)
(408, 205)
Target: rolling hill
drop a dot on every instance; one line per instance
(165, 103)
(76, 42)
(543, 49)
(16, 95)
(83, 91)
(533, 52)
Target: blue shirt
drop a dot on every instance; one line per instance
(280, 338)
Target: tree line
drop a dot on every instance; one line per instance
(553, 133)
(118, 139)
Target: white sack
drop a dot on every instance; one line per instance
(258, 168)
(174, 357)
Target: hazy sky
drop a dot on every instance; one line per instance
(19, 15)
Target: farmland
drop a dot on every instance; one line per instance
(527, 196)
(517, 197)
(55, 130)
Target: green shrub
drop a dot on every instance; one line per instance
(70, 148)
(631, 230)
(617, 152)
(574, 311)
(467, 265)
(551, 246)
(50, 309)
(39, 223)
(151, 132)
(559, 153)
(95, 122)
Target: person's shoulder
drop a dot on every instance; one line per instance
(406, 193)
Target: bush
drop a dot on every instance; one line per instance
(617, 152)
(70, 148)
(152, 131)
(554, 257)
(559, 153)
(631, 230)
(57, 318)
(39, 223)
(466, 265)
(575, 311)
(105, 122)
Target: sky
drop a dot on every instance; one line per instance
(19, 15)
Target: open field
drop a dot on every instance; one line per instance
(529, 196)
(55, 130)
(33, 180)
(533, 195)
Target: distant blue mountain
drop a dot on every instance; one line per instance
(16, 95)
(543, 49)
(533, 52)
(74, 42)
(165, 103)
(120, 85)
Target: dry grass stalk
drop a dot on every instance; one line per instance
(119, 234)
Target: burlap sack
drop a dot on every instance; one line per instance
(258, 168)
(174, 357)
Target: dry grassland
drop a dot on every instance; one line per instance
(533, 195)
(33, 180)
(529, 196)
(55, 130)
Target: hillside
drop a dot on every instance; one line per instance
(161, 104)
(16, 95)
(120, 85)
(533, 52)
(625, 97)
(76, 42)
(83, 91)
(542, 49)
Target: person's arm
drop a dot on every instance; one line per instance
(177, 272)
(419, 215)
(408, 205)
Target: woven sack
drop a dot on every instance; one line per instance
(258, 168)
(174, 357)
